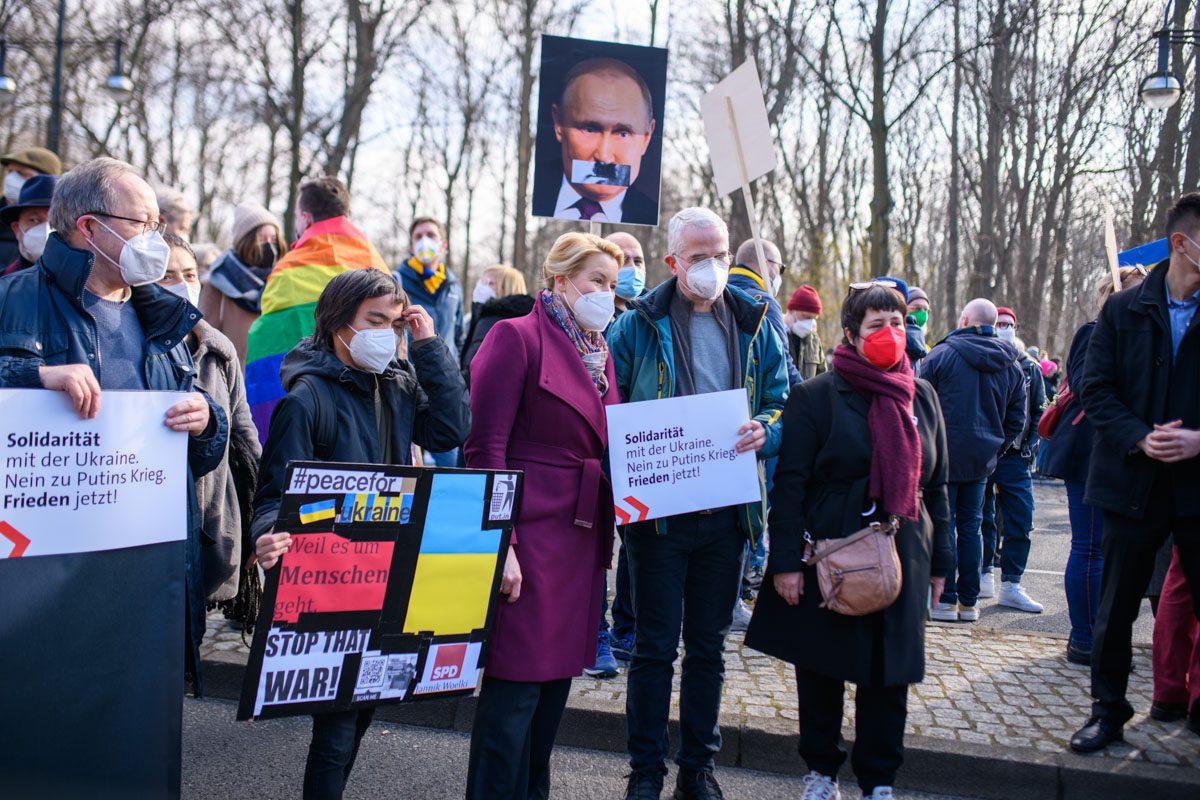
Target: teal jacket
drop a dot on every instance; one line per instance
(640, 346)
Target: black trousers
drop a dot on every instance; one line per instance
(331, 754)
(879, 716)
(1130, 547)
(513, 736)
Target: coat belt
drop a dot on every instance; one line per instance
(589, 478)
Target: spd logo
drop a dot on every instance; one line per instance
(447, 662)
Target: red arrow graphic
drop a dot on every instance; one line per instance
(639, 507)
(19, 540)
(622, 514)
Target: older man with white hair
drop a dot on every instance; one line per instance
(982, 391)
(691, 335)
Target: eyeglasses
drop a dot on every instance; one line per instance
(726, 257)
(858, 287)
(148, 226)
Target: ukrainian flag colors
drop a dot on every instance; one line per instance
(376, 508)
(315, 512)
(327, 248)
(457, 561)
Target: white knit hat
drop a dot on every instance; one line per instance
(250, 216)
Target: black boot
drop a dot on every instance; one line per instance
(1168, 712)
(1079, 654)
(644, 785)
(1096, 735)
(697, 784)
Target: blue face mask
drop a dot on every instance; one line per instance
(630, 282)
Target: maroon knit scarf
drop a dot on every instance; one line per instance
(895, 445)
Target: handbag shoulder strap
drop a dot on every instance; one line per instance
(812, 557)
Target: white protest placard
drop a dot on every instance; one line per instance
(678, 455)
(737, 130)
(71, 485)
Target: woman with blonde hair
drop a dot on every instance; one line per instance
(541, 384)
(1069, 456)
(235, 283)
(499, 294)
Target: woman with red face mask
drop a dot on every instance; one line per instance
(862, 443)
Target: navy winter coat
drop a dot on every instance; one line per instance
(982, 390)
(749, 282)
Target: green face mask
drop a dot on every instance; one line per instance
(921, 316)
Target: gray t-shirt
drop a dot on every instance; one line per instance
(122, 342)
(710, 353)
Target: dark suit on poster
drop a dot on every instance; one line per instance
(638, 207)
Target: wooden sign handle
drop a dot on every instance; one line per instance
(746, 195)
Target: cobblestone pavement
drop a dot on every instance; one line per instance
(981, 686)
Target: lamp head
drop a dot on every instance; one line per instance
(1161, 90)
(119, 88)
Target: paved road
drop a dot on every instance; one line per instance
(224, 759)
(1043, 578)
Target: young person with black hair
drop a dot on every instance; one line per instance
(347, 378)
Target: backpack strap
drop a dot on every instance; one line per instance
(326, 416)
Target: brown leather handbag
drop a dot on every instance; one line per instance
(860, 573)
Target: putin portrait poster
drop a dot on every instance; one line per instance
(599, 131)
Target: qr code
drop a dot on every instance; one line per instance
(372, 672)
(504, 495)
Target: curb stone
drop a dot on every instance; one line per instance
(930, 764)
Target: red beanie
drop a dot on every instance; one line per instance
(1009, 311)
(805, 299)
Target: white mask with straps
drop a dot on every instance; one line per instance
(13, 182)
(707, 279)
(185, 290)
(33, 241)
(143, 258)
(372, 348)
(593, 310)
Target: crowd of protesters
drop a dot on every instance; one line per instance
(931, 448)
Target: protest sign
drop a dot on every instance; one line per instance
(739, 138)
(71, 485)
(599, 132)
(92, 585)
(388, 591)
(678, 455)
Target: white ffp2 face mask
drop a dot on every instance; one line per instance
(143, 258)
(482, 293)
(185, 290)
(1006, 334)
(13, 182)
(804, 327)
(593, 310)
(33, 241)
(707, 279)
(426, 250)
(373, 348)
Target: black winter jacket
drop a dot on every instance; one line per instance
(1069, 451)
(1130, 382)
(487, 315)
(982, 391)
(426, 399)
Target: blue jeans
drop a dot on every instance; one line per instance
(446, 459)
(685, 579)
(1085, 564)
(966, 516)
(622, 604)
(331, 754)
(1011, 488)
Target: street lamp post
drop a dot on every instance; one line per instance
(118, 85)
(1161, 89)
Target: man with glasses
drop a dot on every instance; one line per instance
(691, 335)
(604, 123)
(982, 391)
(1008, 498)
(87, 319)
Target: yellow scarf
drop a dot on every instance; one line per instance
(432, 282)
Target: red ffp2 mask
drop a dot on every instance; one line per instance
(885, 347)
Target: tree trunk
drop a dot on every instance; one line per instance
(953, 256)
(881, 199)
(524, 139)
(1191, 167)
(296, 115)
(995, 115)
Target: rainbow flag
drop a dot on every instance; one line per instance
(289, 299)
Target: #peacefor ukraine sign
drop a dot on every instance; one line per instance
(678, 455)
(388, 591)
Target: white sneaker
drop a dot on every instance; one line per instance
(880, 793)
(820, 787)
(741, 616)
(968, 613)
(1013, 596)
(987, 585)
(944, 612)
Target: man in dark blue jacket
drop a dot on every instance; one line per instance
(982, 391)
(86, 319)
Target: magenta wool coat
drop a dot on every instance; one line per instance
(534, 408)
